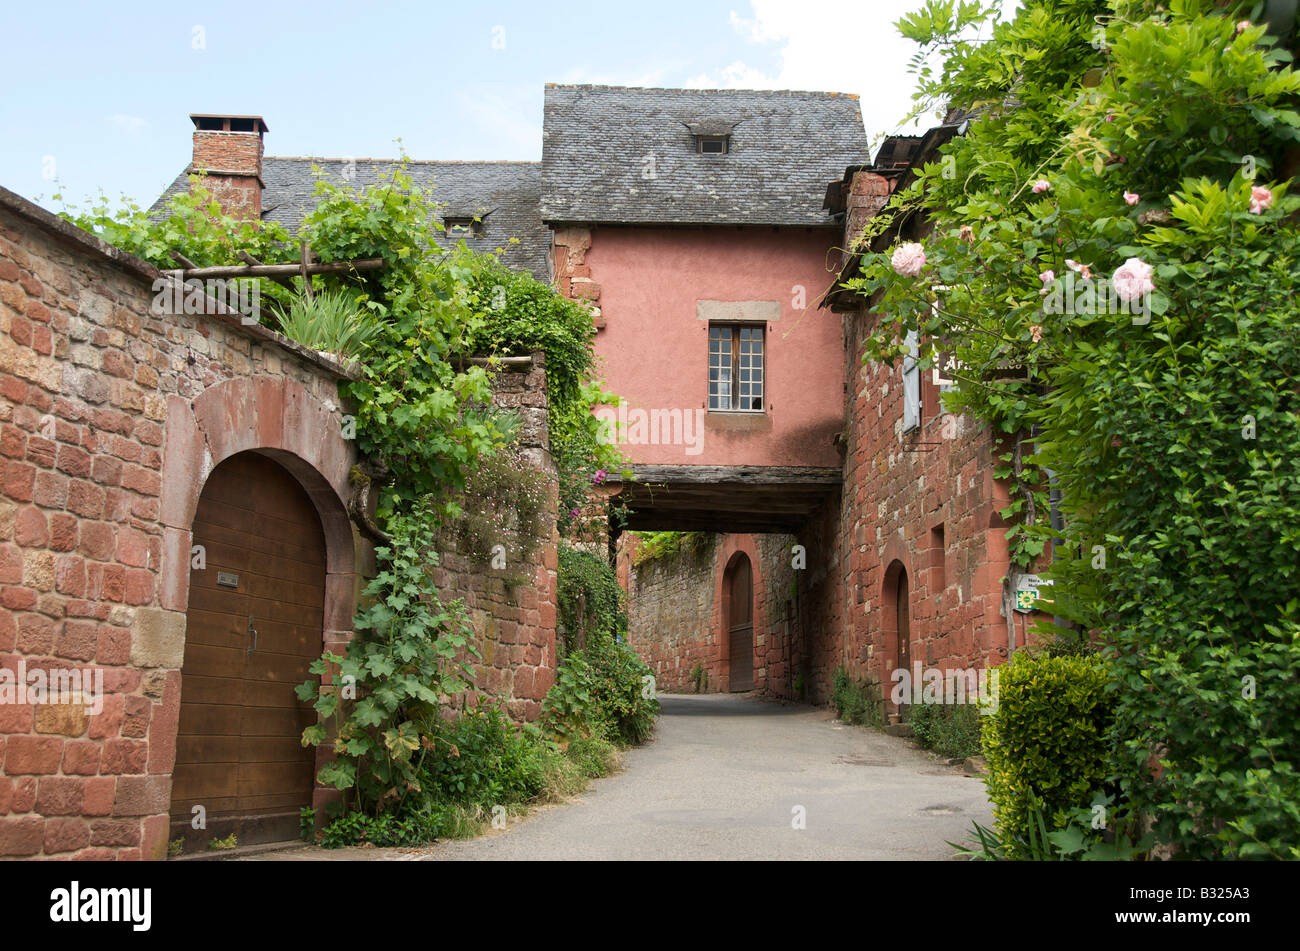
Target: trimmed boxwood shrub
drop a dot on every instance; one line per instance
(1047, 743)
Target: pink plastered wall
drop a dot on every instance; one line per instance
(654, 348)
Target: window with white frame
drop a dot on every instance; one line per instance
(736, 368)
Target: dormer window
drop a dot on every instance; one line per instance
(463, 228)
(712, 136)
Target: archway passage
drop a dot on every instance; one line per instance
(740, 625)
(254, 625)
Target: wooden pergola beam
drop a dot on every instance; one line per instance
(283, 270)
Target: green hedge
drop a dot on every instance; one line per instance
(1047, 742)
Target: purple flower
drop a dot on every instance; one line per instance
(599, 477)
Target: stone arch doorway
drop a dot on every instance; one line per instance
(738, 622)
(284, 422)
(254, 624)
(896, 600)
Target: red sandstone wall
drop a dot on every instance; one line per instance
(86, 375)
(110, 419)
(676, 618)
(671, 616)
(513, 609)
(898, 487)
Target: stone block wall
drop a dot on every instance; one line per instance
(110, 418)
(676, 617)
(925, 500)
(671, 618)
(513, 609)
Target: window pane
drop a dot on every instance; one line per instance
(720, 345)
(751, 368)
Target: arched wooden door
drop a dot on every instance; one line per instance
(904, 631)
(740, 626)
(254, 624)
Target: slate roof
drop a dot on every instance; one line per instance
(784, 147)
(505, 194)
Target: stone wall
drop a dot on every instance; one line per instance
(671, 614)
(111, 415)
(676, 616)
(513, 609)
(923, 501)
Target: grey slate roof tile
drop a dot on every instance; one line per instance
(505, 194)
(597, 143)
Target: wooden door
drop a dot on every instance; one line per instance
(904, 634)
(254, 624)
(741, 627)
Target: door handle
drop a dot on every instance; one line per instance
(253, 645)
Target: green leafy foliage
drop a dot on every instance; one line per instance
(402, 662)
(857, 702)
(699, 677)
(486, 759)
(1078, 841)
(332, 321)
(1172, 433)
(515, 315)
(603, 691)
(950, 729)
(191, 223)
(504, 503)
(1047, 743)
(592, 605)
(652, 545)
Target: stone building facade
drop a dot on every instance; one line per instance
(907, 565)
(119, 415)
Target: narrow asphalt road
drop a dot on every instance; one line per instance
(726, 777)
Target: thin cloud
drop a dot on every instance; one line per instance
(829, 46)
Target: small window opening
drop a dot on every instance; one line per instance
(463, 227)
(712, 144)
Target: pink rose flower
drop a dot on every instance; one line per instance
(1260, 199)
(1132, 280)
(1046, 277)
(1083, 270)
(908, 259)
(1041, 186)
(1132, 198)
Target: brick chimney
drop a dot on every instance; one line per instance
(229, 149)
